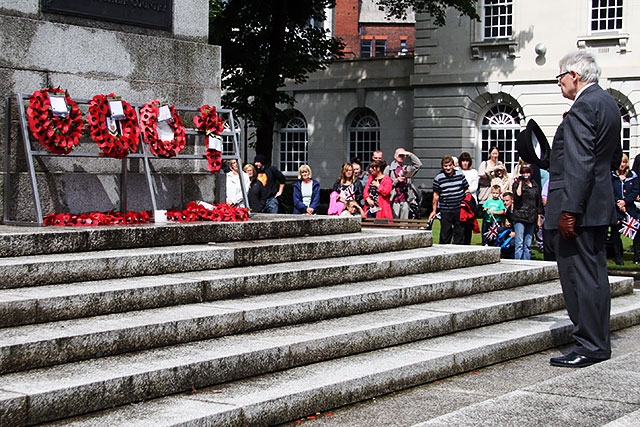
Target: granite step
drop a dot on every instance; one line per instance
(21, 306)
(23, 241)
(38, 345)
(37, 270)
(287, 394)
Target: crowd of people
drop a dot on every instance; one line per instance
(386, 191)
(511, 207)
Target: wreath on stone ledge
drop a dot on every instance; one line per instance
(211, 124)
(202, 211)
(114, 139)
(97, 218)
(194, 211)
(58, 134)
(149, 123)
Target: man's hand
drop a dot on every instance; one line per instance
(566, 226)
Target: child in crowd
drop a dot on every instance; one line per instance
(352, 208)
(494, 211)
(501, 178)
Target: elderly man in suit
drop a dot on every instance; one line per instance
(581, 206)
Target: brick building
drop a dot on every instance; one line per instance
(367, 32)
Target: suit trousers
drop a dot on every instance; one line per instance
(582, 265)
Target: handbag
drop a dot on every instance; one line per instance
(335, 205)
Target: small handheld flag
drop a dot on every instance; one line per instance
(629, 227)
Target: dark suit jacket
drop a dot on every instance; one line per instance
(585, 146)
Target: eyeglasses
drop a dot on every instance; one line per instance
(561, 75)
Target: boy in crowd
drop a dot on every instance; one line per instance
(494, 211)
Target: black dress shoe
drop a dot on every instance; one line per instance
(574, 360)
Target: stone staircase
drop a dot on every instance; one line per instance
(255, 323)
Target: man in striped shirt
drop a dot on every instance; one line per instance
(449, 188)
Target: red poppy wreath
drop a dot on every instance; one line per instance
(97, 218)
(210, 123)
(57, 133)
(196, 211)
(149, 123)
(116, 138)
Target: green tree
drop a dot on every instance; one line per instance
(266, 42)
(436, 8)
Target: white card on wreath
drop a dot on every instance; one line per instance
(215, 142)
(165, 133)
(116, 109)
(164, 114)
(58, 105)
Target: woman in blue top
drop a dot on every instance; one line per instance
(306, 192)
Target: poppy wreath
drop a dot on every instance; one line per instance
(97, 218)
(149, 124)
(57, 134)
(210, 123)
(196, 212)
(110, 144)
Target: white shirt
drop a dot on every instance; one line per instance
(234, 191)
(472, 179)
(307, 191)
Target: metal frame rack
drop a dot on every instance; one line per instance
(142, 153)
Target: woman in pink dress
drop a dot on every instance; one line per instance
(377, 192)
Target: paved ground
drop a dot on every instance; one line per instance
(523, 392)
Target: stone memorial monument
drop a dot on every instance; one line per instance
(140, 50)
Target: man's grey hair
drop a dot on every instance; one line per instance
(582, 63)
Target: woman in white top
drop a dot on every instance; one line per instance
(235, 196)
(470, 174)
(485, 172)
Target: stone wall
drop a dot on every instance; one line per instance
(89, 57)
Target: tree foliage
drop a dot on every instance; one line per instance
(266, 42)
(436, 8)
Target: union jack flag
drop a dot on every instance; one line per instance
(348, 194)
(492, 233)
(629, 227)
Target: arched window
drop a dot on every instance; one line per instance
(500, 127)
(294, 143)
(364, 135)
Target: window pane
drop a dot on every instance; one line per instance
(364, 135)
(606, 16)
(365, 48)
(498, 18)
(294, 143)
